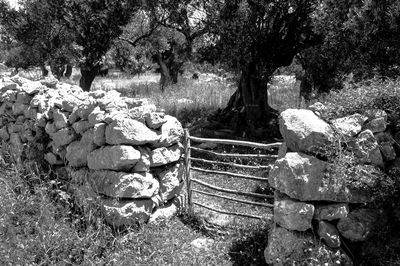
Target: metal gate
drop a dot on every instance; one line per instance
(189, 168)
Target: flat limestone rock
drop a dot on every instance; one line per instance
(331, 212)
(124, 185)
(162, 156)
(293, 215)
(120, 157)
(304, 178)
(129, 131)
(64, 136)
(302, 130)
(349, 126)
(171, 182)
(78, 151)
(171, 132)
(127, 212)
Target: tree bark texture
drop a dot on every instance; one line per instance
(248, 108)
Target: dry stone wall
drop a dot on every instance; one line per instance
(121, 150)
(318, 205)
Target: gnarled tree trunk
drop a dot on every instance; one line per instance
(248, 109)
(88, 74)
(166, 78)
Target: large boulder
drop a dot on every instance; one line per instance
(306, 178)
(303, 131)
(124, 185)
(349, 126)
(129, 131)
(127, 212)
(120, 157)
(293, 215)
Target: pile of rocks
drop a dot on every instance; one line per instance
(128, 152)
(313, 197)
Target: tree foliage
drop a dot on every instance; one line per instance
(359, 37)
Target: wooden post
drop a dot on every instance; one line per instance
(187, 173)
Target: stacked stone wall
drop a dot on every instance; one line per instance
(122, 150)
(319, 206)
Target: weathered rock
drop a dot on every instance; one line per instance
(155, 120)
(171, 132)
(85, 108)
(162, 156)
(366, 148)
(127, 212)
(358, 225)
(81, 126)
(349, 126)
(19, 108)
(52, 159)
(78, 151)
(143, 165)
(329, 234)
(302, 130)
(50, 82)
(290, 248)
(60, 119)
(119, 157)
(318, 108)
(376, 113)
(4, 134)
(124, 185)
(128, 131)
(139, 113)
(166, 212)
(293, 215)
(331, 212)
(202, 244)
(377, 125)
(23, 98)
(64, 136)
(17, 147)
(96, 116)
(386, 141)
(305, 178)
(99, 134)
(171, 182)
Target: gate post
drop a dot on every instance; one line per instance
(187, 173)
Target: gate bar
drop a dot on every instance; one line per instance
(237, 155)
(233, 199)
(230, 213)
(250, 194)
(231, 164)
(257, 178)
(237, 142)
